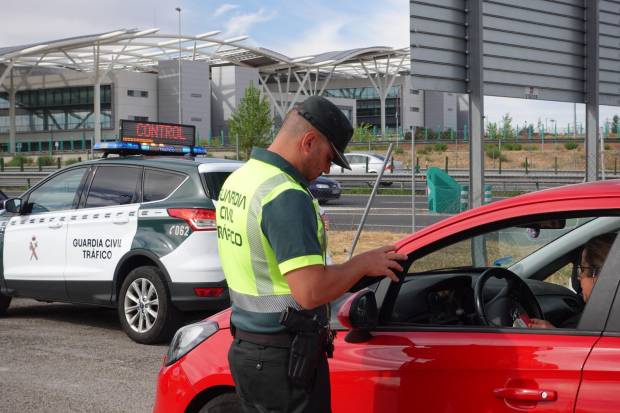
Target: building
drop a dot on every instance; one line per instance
(66, 94)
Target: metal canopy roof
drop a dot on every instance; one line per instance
(141, 50)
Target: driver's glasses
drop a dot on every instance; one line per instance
(587, 272)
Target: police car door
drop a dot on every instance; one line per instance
(34, 249)
(101, 231)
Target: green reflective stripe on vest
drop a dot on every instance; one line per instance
(299, 262)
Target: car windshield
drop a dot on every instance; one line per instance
(500, 248)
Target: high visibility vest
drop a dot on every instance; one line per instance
(258, 290)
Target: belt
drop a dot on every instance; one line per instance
(281, 339)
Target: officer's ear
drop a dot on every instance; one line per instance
(309, 141)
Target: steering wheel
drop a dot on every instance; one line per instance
(513, 306)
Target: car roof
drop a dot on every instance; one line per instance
(170, 162)
(324, 179)
(591, 196)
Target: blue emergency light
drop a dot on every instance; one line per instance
(133, 148)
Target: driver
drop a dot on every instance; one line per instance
(592, 260)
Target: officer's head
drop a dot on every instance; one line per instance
(313, 135)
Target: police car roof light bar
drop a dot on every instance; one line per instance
(133, 148)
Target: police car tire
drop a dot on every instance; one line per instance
(167, 315)
(224, 403)
(5, 301)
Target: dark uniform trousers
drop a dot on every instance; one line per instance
(261, 377)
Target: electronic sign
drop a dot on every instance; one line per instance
(155, 133)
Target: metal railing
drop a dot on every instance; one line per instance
(507, 180)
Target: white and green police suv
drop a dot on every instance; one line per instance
(132, 232)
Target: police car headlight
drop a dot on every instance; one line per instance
(188, 338)
(322, 186)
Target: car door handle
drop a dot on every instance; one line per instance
(533, 395)
(55, 225)
(121, 220)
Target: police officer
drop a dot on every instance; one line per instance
(272, 246)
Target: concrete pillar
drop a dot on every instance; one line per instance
(97, 96)
(12, 124)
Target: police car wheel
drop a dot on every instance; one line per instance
(224, 403)
(144, 306)
(5, 301)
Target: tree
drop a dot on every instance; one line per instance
(615, 124)
(363, 133)
(507, 126)
(251, 121)
(491, 130)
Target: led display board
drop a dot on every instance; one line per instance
(155, 133)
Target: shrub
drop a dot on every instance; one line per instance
(512, 146)
(425, 150)
(571, 145)
(420, 133)
(71, 161)
(399, 151)
(46, 160)
(493, 152)
(18, 159)
(440, 147)
(408, 136)
(530, 147)
(607, 146)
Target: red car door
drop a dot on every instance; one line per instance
(404, 368)
(458, 371)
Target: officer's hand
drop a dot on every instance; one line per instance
(380, 262)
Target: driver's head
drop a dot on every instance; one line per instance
(592, 260)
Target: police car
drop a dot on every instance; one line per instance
(133, 232)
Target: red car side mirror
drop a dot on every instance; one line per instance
(359, 313)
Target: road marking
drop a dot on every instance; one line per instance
(344, 208)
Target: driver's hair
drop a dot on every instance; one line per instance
(596, 250)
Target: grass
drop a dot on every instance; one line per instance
(381, 191)
(340, 242)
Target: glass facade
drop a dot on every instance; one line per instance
(368, 105)
(58, 109)
(361, 93)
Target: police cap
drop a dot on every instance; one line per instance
(331, 122)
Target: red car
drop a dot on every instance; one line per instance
(453, 335)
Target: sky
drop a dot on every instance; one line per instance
(294, 28)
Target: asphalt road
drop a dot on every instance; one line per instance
(388, 213)
(67, 358)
